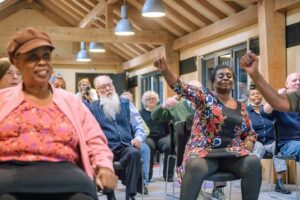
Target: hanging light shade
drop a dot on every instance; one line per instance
(96, 47)
(153, 8)
(124, 26)
(83, 54)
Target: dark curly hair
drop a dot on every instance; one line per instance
(218, 67)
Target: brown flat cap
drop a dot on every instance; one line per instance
(27, 40)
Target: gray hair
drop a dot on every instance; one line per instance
(146, 96)
(98, 80)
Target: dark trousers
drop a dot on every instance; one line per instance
(163, 144)
(130, 159)
(248, 168)
(41, 196)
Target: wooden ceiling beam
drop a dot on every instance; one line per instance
(7, 4)
(99, 59)
(8, 9)
(97, 10)
(63, 9)
(117, 51)
(143, 59)
(286, 4)
(80, 4)
(219, 28)
(124, 49)
(75, 34)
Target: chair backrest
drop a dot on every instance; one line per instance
(275, 125)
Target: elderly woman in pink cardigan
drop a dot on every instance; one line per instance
(51, 147)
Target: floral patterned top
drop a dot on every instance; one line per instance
(218, 131)
(32, 133)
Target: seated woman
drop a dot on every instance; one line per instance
(158, 139)
(221, 137)
(9, 74)
(51, 146)
(58, 81)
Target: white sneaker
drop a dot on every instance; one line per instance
(218, 194)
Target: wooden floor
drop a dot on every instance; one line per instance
(157, 191)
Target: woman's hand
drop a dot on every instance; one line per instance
(249, 62)
(106, 178)
(161, 64)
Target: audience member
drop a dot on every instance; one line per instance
(265, 136)
(221, 137)
(158, 138)
(288, 123)
(289, 102)
(117, 116)
(9, 74)
(57, 81)
(51, 146)
(86, 92)
(145, 150)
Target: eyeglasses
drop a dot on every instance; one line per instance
(151, 99)
(104, 86)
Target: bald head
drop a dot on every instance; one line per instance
(195, 83)
(292, 82)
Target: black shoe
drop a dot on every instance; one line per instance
(130, 198)
(111, 197)
(146, 190)
(169, 179)
(280, 188)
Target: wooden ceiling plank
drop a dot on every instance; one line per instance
(190, 9)
(213, 9)
(234, 6)
(7, 4)
(179, 19)
(72, 8)
(143, 59)
(80, 4)
(89, 3)
(142, 48)
(125, 50)
(117, 51)
(59, 12)
(287, 4)
(133, 48)
(97, 10)
(11, 10)
(64, 9)
(221, 27)
(54, 17)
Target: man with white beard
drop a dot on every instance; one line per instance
(116, 117)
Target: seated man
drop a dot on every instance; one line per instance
(288, 122)
(116, 117)
(265, 140)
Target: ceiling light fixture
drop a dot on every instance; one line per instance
(124, 27)
(96, 47)
(83, 54)
(153, 8)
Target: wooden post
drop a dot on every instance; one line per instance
(272, 43)
(172, 58)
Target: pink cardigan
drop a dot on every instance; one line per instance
(94, 150)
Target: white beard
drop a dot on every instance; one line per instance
(111, 105)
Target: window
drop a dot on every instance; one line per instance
(230, 57)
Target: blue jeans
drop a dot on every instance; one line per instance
(145, 155)
(291, 148)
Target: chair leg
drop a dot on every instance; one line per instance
(167, 175)
(297, 191)
(230, 187)
(142, 180)
(270, 175)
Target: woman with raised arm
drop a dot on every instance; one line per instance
(221, 137)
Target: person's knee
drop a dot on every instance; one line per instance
(253, 163)
(195, 165)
